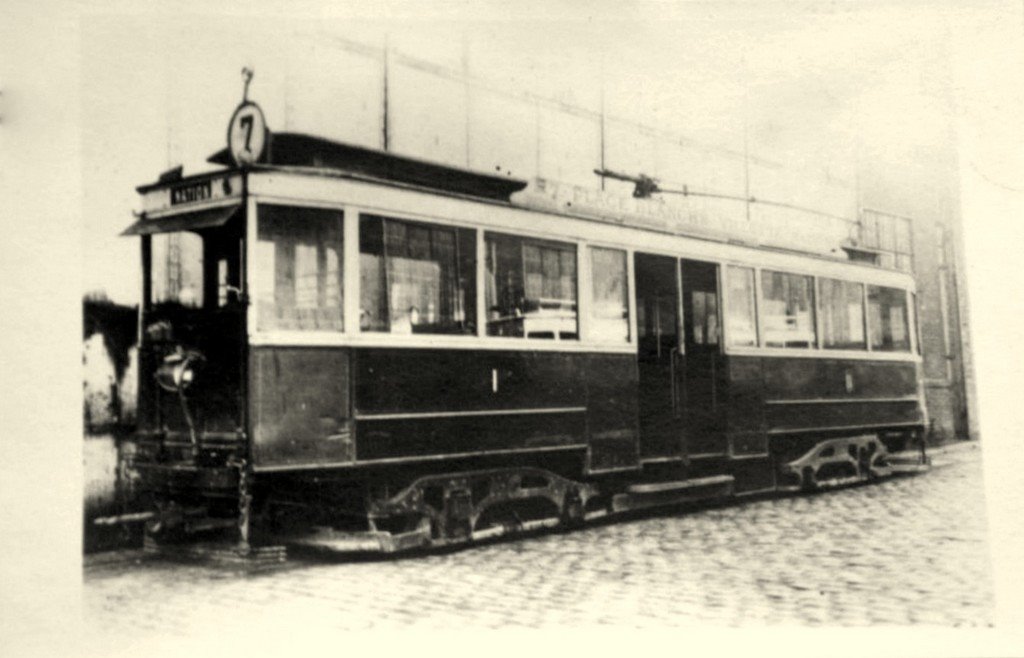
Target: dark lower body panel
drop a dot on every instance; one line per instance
(316, 407)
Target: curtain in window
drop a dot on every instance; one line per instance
(531, 288)
(416, 278)
(741, 325)
(788, 309)
(298, 269)
(842, 310)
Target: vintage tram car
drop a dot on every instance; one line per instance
(345, 347)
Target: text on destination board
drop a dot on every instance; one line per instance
(191, 193)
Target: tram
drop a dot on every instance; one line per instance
(349, 348)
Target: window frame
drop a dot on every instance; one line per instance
(813, 307)
(474, 270)
(574, 246)
(351, 336)
(909, 321)
(586, 271)
(863, 317)
(880, 222)
(201, 267)
(470, 218)
(253, 272)
(726, 301)
(818, 351)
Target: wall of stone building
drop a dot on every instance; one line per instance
(958, 277)
(970, 391)
(922, 184)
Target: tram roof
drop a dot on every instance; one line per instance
(301, 150)
(297, 149)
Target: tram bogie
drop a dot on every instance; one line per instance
(346, 348)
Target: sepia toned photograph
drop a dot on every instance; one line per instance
(643, 316)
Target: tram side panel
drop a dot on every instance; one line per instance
(780, 407)
(745, 426)
(805, 400)
(414, 403)
(335, 406)
(745, 423)
(300, 407)
(840, 395)
(332, 406)
(612, 412)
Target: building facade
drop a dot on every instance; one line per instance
(910, 213)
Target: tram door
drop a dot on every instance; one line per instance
(657, 305)
(702, 410)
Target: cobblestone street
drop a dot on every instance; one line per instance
(911, 550)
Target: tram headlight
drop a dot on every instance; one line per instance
(179, 370)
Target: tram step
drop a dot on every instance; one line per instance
(224, 553)
(677, 485)
(641, 496)
(908, 461)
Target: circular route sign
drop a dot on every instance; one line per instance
(247, 134)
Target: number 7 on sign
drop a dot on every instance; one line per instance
(246, 123)
(247, 134)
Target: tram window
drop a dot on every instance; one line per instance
(842, 314)
(223, 286)
(298, 269)
(703, 317)
(741, 323)
(788, 313)
(610, 311)
(416, 278)
(531, 288)
(887, 319)
(177, 269)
